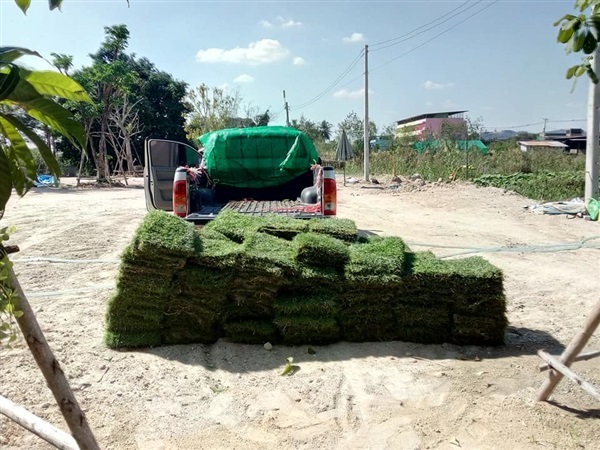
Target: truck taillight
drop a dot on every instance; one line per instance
(329, 192)
(180, 192)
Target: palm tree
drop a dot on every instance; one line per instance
(325, 130)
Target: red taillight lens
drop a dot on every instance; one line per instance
(329, 197)
(180, 198)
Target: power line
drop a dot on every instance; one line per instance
(332, 85)
(436, 36)
(534, 124)
(405, 37)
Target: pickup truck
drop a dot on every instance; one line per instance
(250, 170)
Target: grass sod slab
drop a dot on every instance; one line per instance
(218, 251)
(194, 278)
(263, 252)
(378, 261)
(427, 325)
(364, 322)
(235, 226)
(342, 229)
(470, 330)
(164, 234)
(308, 330)
(132, 339)
(155, 262)
(188, 322)
(282, 226)
(251, 331)
(320, 250)
(422, 335)
(316, 278)
(245, 305)
(312, 304)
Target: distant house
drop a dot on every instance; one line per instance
(526, 146)
(428, 126)
(574, 138)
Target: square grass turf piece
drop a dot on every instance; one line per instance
(469, 330)
(282, 226)
(342, 229)
(311, 304)
(300, 330)
(132, 339)
(217, 250)
(251, 332)
(321, 250)
(235, 225)
(263, 252)
(426, 325)
(164, 234)
(378, 261)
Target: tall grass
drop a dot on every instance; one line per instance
(503, 159)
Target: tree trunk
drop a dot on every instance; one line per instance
(48, 364)
(128, 154)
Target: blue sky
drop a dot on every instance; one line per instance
(503, 64)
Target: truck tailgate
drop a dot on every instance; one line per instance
(292, 208)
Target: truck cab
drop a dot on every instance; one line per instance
(251, 170)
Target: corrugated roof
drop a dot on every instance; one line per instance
(543, 144)
(434, 115)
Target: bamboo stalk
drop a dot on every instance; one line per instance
(582, 357)
(564, 370)
(48, 364)
(37, 426)
(571, 352)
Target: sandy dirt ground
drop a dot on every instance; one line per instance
(392, 395)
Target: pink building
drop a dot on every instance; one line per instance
(429, 126)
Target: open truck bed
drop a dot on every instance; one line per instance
(292, 208)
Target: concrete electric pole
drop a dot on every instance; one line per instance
(593, 134)
(366, 131)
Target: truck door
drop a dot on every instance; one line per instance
(162, 159)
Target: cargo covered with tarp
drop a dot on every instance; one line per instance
(258, 157)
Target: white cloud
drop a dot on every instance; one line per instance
(290, 23)
(344, 93)
(265, 51)
(354, 37)
(281, 23)
(299, 61)
(243, 78)
(224, 86)
(432, 85)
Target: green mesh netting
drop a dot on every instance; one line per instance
(257, 157)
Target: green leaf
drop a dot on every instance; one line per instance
(590, 43)
(17, 314)
(9, 54)
(578, 41)
(22, 154)
(56, 117)
(53, 4)
(5, 180)
(571, 72)
(23, 4)
(563, 18)
(564, 35)
(9, 81)
(45, 152)
(47, 82)
(288, 369)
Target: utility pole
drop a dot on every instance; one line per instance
(544, 131)
(287, 110)
(366, 131)
(593, 134)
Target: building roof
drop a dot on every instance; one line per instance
(543, 144)
(434, 115)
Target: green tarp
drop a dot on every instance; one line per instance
(258, 157)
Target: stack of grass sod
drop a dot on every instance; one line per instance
(373, 276)
(194, 313)
(460, 301)
(261, 266)
(343, 229)
(159, 249)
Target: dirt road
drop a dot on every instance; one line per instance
(373, 395)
